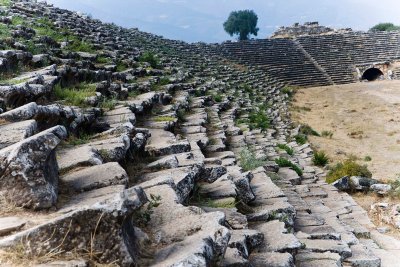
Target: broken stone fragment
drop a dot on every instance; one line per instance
(29, 170)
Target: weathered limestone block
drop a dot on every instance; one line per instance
(96, 177)
(9, 224)
(15, 132)
(112, 149)
(104, 228)
(71, 158)
(29, 170)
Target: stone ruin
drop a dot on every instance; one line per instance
(308, 28)
(150, 168)
(309, 58)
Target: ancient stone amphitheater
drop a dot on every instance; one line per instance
(149, 168)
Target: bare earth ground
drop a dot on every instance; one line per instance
(364, 119)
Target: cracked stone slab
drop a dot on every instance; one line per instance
(71, 158)
(95, 177)
(10, 224)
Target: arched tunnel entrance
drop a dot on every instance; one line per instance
(372, 74)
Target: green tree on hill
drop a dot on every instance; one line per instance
(242, 23)
(385, 27)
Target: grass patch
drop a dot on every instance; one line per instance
(327, 134)
(76, 95)
(108, 104)
(80, 46)
(320, 159)
(287, 148)
(307, 130)
(122, 66)
(300, 139)
(82, 139)
(347, 168)
(150, 58)
(4, 31)
(229, 203)
(259, 120)
(217, 98)
(103, 60)
(367, 158)
(14, 81)
(282, 162)
(5, 3)
(164, 118)
(249, 161)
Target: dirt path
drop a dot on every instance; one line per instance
(364, 119)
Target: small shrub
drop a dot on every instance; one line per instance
(259, 120)
(103, 60)
(282, 162)
(121, 66)
(217, 98)
(80, 46)
(327, 134)
(307, 130)
(164, 81)
(367, 158)
(288, 90)
(301, 139)
(347, 168)
(320, 159)
(150, 58)
(249, 161)
(143, 217)
(287, 148)
(181, 115)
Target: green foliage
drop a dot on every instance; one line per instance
(320, 159)
(228, 203)
(327, 134)
(287, 148)
(283, 162)
(181, 115)
(73, 140)
(5, 3)
(121, 66)
(4, 31)
(288, 90)
(385, 27)
(143, 217)
(103, 60)
(347, 168)
(259, 120)
(108, 103)
(367, 158)
(17, 20)
(164, 81)
(217, 98)
(14, 81)
(242, 23)
(249, 161)
(150, 58)
(307, 130)
(301, 139)
(80, 46)
(75, 95)
(164, 118)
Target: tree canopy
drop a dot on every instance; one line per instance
(385, 27)
(242, 23)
